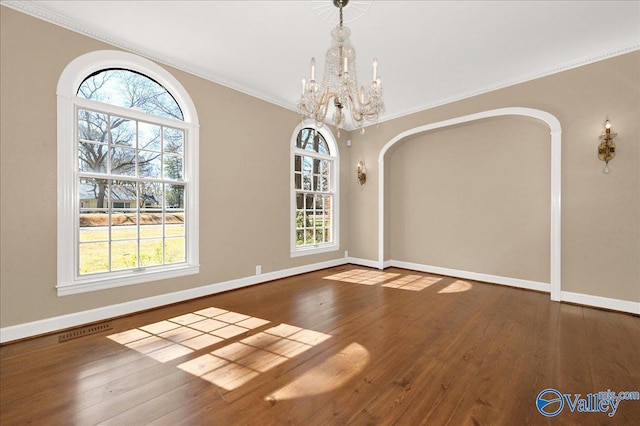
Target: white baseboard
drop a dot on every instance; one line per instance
(494, 279)
(362, 262)
(601, 302)
(48, 325)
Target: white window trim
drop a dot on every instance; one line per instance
(68, 279)
(335, 187)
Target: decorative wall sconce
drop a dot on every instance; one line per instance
(607, 149)
(362, 173)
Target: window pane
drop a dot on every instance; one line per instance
(307, 168)
(149, 136)
(321, 145)
(300, 219)
(308, 201)
(151, 230)
(297, 163)
(123, 131)
(174, 224)
(174, 197)
(150, 197)
(310, 140)
(175, 250)
(94, 258)
(328, 202)
(304, 138)
(325, 173)
(172, 167)
(297, 181)
(130, 89)
(151, 252)
(299, 201)
(122, 195)
(123, 161)
(92, 157)
(149, 164)
(93, 195)
(92, 126)
(124, 255)
(150, 200)
(124, 226)
(173, 141)
(93, 225)
(173, 229)
(93, 233)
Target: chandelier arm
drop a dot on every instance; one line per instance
(321, 114)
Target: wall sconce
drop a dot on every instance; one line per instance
(607, 149)
(362, 173)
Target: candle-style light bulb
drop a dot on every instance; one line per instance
(304, 83)
(345, 65)
(375, 70)
(313, 69)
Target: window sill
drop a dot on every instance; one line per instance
(314, 250)
(85, 285)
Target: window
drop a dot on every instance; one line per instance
(314, 191)
(127, 174)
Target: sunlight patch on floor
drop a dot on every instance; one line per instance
(179, 336)
(362, 276)
(457, 286)
(413, 282)
(237, 363)
(329, 375)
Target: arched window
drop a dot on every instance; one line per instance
(314, 200)
(127, 174)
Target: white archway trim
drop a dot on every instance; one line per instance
(555, 131)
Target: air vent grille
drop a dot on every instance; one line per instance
(84, 331)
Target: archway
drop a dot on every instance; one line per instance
(555, 134)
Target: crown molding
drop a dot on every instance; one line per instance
(47, 15)
(555, 70)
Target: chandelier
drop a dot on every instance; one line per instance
(339, 86)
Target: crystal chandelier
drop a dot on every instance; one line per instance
(339, 85)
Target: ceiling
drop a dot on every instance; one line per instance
(429, 52)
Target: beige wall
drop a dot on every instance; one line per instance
(244, 163)
(600, 213)
(474, 198)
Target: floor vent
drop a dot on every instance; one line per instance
(84, 331)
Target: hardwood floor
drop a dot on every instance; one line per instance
(347, 345)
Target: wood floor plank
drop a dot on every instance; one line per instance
(346, 345)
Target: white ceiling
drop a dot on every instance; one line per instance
(430, 52)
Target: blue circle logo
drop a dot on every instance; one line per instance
(549, 402)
